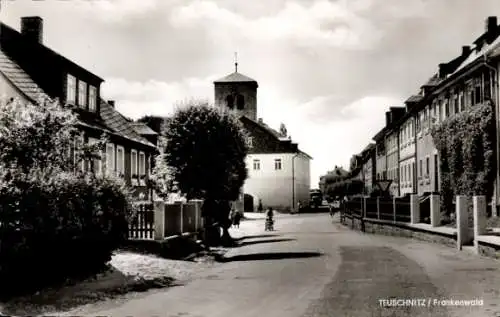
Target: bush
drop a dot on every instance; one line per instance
(55, 223)
(466, 146)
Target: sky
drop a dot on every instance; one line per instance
(328, 70)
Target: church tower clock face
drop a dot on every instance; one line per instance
(237, 93)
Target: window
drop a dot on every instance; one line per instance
(427, 166)
(230, 102)
(71, 89)
(421, 170)
(446, 109)
(77, 159)
(110, 158)
(402, 175)
(413, 168)
(96, 163)
(410, 173)
(455, 104)
(277, 164)
(477, 94)
(256, 165)
(133, 163)
(250, 142)
(120, 161)
(240, 102)
(92, 98)
(461, 101)
(142, 164)
(82, 93)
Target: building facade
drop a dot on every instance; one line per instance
(469, 79)
(278, 171)
(29, 70)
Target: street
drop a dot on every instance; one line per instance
(313, 266)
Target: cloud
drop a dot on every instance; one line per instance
(114, 11)
(135, 99)
(322, 23)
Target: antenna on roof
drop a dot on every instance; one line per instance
(236, 61)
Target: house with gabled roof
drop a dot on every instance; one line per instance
(278, 171)
(30, 70)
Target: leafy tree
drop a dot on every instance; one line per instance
(203, 157)
(153, 122)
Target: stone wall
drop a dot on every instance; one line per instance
(489, 250)
(401, 230)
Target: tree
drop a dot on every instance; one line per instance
(203, 157)
(155, 123)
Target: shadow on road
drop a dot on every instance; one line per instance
(257, 236)
(244, 243)
(268, 256)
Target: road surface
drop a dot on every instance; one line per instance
(312, 266)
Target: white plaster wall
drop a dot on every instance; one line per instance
(275, 187)
(7, 90)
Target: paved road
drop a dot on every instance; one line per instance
(313, 266)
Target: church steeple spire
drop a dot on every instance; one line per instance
(235, 62)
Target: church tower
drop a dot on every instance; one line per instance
(238, 93)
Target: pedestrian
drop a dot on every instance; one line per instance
(237, 219)
(299, 206)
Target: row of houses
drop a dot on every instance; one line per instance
(29, 70)
(403, 151)
(279, 171)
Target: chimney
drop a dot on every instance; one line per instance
(466, 50)
(387, 118)
(32, 28)
(260, 120)
(491, 25)
(442, 70)
(111, 103)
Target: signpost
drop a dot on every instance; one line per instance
(383, 185)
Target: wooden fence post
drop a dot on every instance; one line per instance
(159, 219)
(394, 209)
(435, 210)
(364, 207)
(480, 217)
(181, 217)
(378, 208)
(414, 209)
(462, 221)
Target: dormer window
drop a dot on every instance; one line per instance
(71, 89)
(82, 94)
(92, 98)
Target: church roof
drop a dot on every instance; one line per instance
(236, 78)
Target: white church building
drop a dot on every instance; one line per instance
(278, 172)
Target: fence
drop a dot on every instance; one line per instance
(159, 219)
(141, 225)
(391, 209)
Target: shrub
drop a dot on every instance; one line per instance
(466, 146)
(54, 223)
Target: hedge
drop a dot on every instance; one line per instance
(466, 147)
